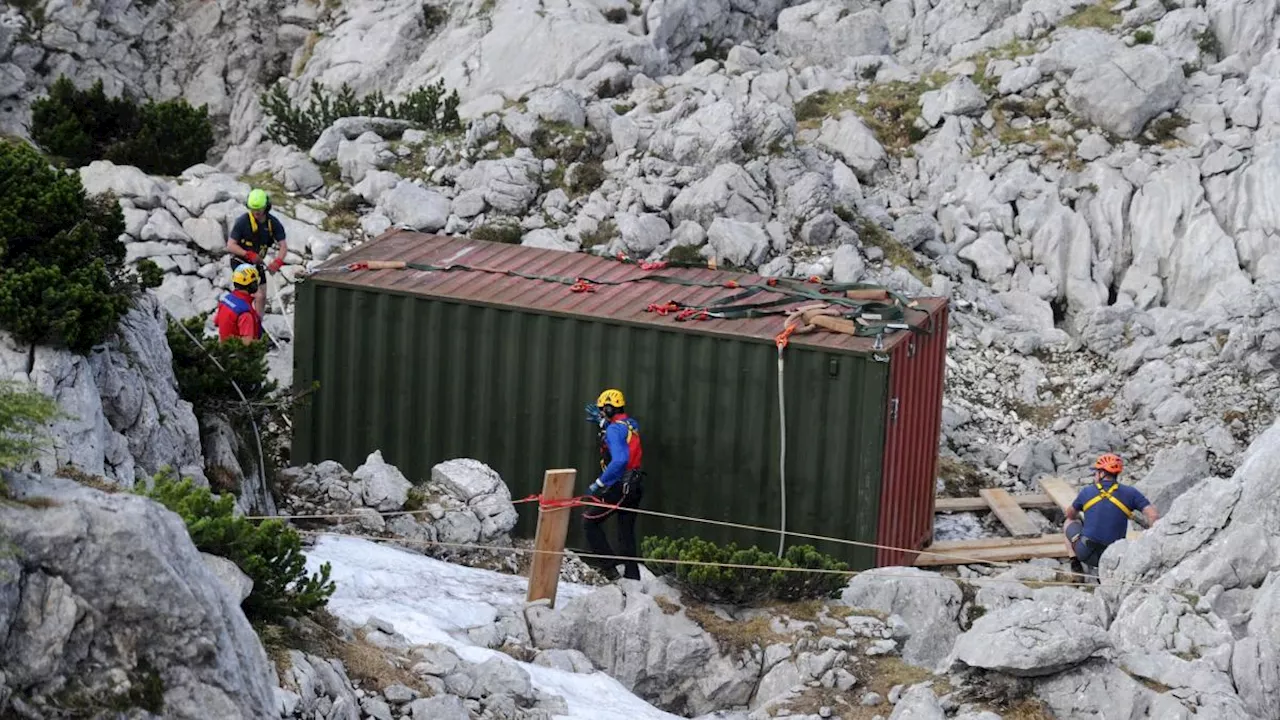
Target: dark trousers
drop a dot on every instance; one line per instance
(625, 493)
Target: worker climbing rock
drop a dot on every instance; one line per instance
(252, 236)
(1107, 507)
(236, 316)
(619, 485)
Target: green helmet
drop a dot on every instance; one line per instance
(258, 199)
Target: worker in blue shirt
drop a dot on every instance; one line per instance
(1107, 507)
(619, 484)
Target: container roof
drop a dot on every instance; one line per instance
(626, 303)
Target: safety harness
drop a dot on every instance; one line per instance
(1106, 493)
(240, 306)
(253, 226)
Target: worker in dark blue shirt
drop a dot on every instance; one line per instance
(619, 485)
(1107, 507)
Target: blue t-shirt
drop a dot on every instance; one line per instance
(1104, 522)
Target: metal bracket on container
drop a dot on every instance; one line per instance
(879, 343)
(893, 410)
(911, 348)
(880, 357)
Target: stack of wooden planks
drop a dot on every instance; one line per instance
(1027, 541)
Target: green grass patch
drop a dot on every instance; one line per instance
(895, 252)
(1094, 16)
(889, 109)
(502, 230)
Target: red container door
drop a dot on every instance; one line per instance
(913, 425)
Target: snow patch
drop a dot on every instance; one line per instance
(432, 601)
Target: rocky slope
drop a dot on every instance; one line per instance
(1091, 184)
(1101, 226)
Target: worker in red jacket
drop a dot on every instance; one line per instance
(237, 317)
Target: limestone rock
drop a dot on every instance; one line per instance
(929, 609)
(86, 617)
(381, 485)
(1125, 92)
(1030, 639)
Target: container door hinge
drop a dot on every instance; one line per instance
(893, 410)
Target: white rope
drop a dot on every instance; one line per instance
(782, 456)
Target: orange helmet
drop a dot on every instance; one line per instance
(1110, 463)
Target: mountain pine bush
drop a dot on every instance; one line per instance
(739, 586)
(270, 552)
(23, 411)
(428, 107)
(64, 279)
(80, 126)
(201, 383)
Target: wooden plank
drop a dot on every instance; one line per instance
(1061, 492)
(1038, 501)
(999, 554)
(1009, 512)
(993, 542)
(553, 527)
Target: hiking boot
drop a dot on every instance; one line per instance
(608, 572)
(1076, 566)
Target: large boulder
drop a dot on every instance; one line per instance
(848, 138)
(1255, 661)
(482, 490)
(729, 192)
(415, 207)
(381, 486)
(105, 593)
(664, 658)
(510, 185)
(826, 33)
(930, 607)
(1122, 94)
(1030, 639)
(1174, 471)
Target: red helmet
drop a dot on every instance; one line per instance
(1110, 463)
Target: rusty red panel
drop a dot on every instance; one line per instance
(913, 426)
(626, 303)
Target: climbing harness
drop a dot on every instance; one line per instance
(1106, 493)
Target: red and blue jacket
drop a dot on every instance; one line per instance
(619, 449)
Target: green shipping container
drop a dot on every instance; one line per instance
(482, 363)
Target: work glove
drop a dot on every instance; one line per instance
(596, 489)
(251, 256)
(276, 265)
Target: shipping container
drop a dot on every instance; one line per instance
(495, 362)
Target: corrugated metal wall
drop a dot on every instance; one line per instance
(427, 380)
(914, 423)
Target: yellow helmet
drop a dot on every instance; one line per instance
(610, 397)
(245, 275)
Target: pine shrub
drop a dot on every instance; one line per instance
(23, 411)
(208, 388)
(64, 280)
(428, 107)
(739, 586)
(270, 552)
(80, 126)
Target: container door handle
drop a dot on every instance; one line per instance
(893, 410)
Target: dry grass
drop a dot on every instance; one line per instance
(1026, 709)
(97, 482)
(1099, 407)
(959, 478)
(365, 662)
(1094, 16)
(1038, 415)
(668, 607)
(878, 675)
(734, 636)
(1231, 416)
(1008, 51)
